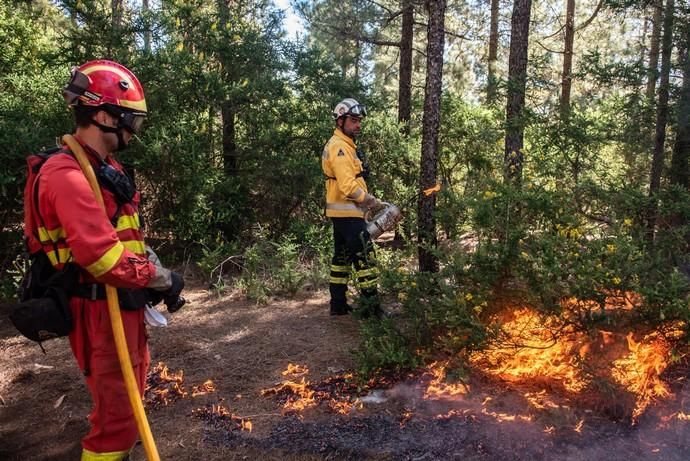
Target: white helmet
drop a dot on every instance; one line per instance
(349, 107)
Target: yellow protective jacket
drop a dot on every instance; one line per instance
(346, 190)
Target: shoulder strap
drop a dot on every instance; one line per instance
(44, 155)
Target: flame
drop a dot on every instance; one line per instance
(505, 416)
(221, 416)
(437, 387)
(432, 190)
(163, 386)
(531, 351)
(338, 392)
(295, 370)
(578, 427)
(206, 388)
(639, 371)
(405, 417)
(344, 408)
(548, 351)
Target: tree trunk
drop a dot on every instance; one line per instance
(228, 109)
(147, 25)
(492, 81)
(405, 82)
(405, 98)
(566, 76)
(517, 81)
(661, 119)
(652, 71)
(116, 6)
(680, 168)
(432, 118)
(230, 160)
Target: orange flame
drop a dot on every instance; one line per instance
(535, 349)
(219, 415)
(640, 370)
(438, 388)
(432, 190)
(206, 388)
(295, 370)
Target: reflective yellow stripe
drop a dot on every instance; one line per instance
(369, 284)
(137, 105)
(127, 222)
(339, 280)
(63, 255)
(363, 273)
(45, 235)
(135, 246)
(335, 268)
(107, 261)
(87, 455)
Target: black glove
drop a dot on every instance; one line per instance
(171, 297)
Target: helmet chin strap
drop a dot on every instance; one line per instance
(121, 144)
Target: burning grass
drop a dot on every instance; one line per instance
(221, 417)
(339, 393)
(164, 387)
(598, 368)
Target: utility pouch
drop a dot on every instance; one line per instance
(44, 318)
(43, 312)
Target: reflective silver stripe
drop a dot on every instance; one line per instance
(342, 206)
(356, 194)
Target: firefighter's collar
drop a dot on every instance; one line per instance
(344, 137)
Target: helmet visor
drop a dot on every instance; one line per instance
(132, 121)
(76, 87)
(358, 110)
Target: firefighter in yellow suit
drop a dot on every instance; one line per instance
(347, 199)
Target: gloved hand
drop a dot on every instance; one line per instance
(165, 286)
(171, 297)
(370, 202)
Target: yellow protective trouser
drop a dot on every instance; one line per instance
(87, 455)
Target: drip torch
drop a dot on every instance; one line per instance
(390, 215)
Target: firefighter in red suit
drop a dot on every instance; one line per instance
(109, 108)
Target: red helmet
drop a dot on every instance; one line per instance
(109, 84)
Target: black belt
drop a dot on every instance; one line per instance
(130, 299)
(92, 291)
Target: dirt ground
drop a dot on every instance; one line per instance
(244, 348)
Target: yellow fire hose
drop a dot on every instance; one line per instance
(116, 320)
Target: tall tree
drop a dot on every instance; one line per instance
(566, 75)
(653, 63)
(492, 80)
(661, 118)
(680, 169)
(405, 75)
(436, 10)
(146, 12)
(517, 82)
(116, 6)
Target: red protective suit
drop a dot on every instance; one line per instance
(72, 227)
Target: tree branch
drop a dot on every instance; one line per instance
(591, 18)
